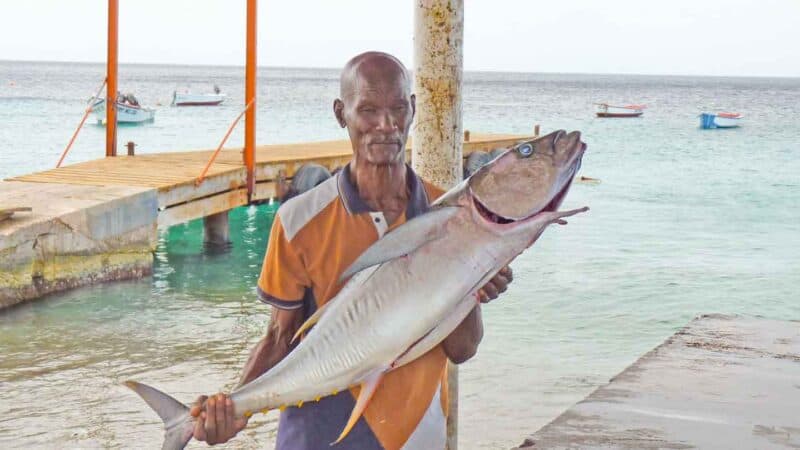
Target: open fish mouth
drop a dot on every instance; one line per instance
(492, 217)
(488, 215)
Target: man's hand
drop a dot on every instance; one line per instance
(496, 285)
(217, 423)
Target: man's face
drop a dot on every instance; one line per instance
(377, 112)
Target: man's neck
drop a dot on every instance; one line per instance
(382, 187)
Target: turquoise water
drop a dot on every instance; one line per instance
(684, 221)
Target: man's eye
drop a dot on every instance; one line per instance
(368, 110)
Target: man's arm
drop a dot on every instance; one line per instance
(275, 345)
(217, 423)
(462, 343)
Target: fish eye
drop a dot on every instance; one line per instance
(525, 149)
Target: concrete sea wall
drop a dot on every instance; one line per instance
(75, 235)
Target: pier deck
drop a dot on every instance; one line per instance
(98, 220)
(173, 174)
(722, 382)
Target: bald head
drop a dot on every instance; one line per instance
(377, 108)
(371, 66)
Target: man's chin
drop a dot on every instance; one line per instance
(385, 158)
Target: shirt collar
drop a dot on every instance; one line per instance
(417, 200)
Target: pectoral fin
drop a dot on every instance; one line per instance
(309, 322)
(403, 240)
(368, 387)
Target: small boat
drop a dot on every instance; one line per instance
(719, 120)
(126, 111)
(606, 110)
(186, 98)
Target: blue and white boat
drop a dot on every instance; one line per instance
(719, 120)
(127, 112)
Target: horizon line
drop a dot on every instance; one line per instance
(465, 70)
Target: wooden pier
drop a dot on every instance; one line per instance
(97, 220)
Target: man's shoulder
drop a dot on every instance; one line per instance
(431, 189)
(300, 210)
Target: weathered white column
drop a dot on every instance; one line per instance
(438, 69)
(437, 134)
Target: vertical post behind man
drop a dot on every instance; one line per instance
(436, 153)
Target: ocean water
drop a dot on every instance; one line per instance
(684, 221)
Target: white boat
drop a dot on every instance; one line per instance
(606, 110)
(719, 120)
(126, 113)
(186, 98)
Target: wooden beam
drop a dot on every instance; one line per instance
(202, 207)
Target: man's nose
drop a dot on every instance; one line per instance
(386, 122)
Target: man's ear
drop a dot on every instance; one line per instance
(338, 111)
(413, 106)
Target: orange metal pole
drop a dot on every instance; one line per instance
(250, 97)
(111, 74)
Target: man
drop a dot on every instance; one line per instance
(314, 238)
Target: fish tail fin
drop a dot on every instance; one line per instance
(179, 425)
(368, 387)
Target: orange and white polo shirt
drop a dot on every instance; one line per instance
(315, 237)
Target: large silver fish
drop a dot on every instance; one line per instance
(411, 288)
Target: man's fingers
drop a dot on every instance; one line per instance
(211, 421)
(501, 283)
(199, 428)
(222, 423)
(199, 424)
(230, 426)
(508, 273)
(496, 285)
(491, 291)
(197, 406)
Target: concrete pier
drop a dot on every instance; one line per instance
(74, 235)
(216, 231)
(722, 382)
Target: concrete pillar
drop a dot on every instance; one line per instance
(438, 68)
(436, 152)
(216, 231)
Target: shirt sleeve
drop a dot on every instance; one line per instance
(283, 278)
(433, 191)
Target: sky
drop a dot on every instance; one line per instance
(678, 37)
